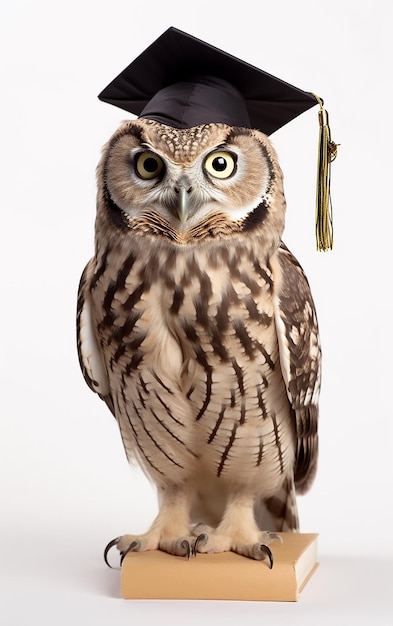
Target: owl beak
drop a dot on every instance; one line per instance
(182, 205)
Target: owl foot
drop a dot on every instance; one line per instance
(183, 546)
(214, 541)
(133, 546)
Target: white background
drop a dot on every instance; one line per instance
(66, 488)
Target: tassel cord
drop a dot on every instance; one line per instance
(327, 152)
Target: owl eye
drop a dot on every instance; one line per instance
(149, 165)
(220, 164)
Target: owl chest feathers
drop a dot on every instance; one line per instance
(190, 347)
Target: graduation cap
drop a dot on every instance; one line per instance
(182, 81)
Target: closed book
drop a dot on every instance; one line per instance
(224, 576)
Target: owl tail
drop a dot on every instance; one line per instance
(327, 152)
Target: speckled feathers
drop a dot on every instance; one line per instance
(197, 325)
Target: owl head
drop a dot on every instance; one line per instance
(195, 166)
(208, 182)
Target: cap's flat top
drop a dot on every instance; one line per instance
(176, 56)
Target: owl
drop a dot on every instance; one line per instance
(197, 328)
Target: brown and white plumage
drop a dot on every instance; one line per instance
(197, 327)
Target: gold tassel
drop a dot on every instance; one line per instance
(327, 152)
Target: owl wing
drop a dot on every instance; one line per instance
(90, 356)
(300, 358)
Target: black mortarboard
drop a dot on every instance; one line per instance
(182, 81)
(177, 57)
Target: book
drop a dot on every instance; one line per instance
(224, 576)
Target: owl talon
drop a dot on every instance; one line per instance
(183, 548)
(273, 536)
(260, 551)
(200, 540)
(110, 545)
(133, 547)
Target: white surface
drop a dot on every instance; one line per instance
(65, 488)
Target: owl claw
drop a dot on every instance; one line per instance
(110, 545)
(260, 552)
(134, 546)
(273, 536)
(186, 546)
(201, 539)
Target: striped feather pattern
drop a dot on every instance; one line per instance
(203, 341)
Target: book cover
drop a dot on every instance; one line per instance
(224, 576)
